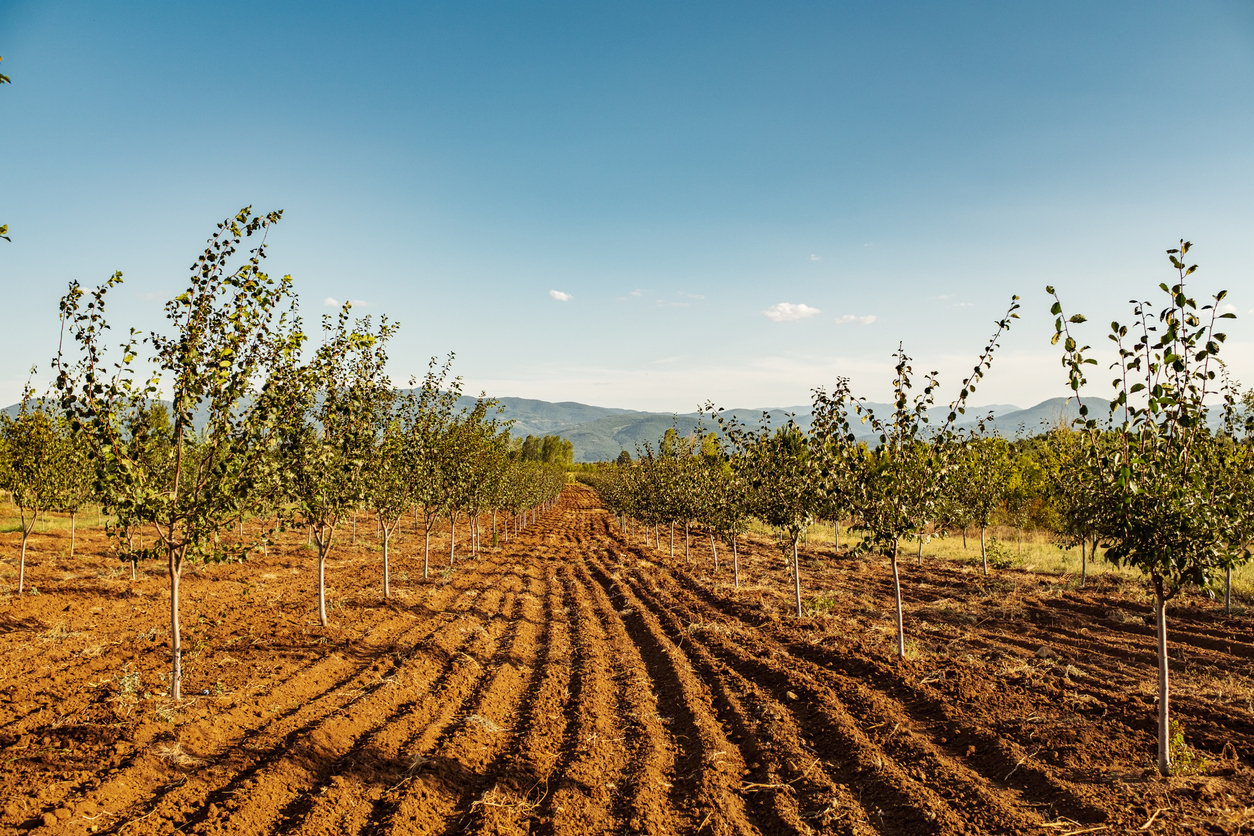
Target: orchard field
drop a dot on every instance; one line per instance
(572, 681)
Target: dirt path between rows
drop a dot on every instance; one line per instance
(574, 682)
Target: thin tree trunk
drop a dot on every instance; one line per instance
(672, 540)
(1227, 590)
(73, 528)
(494, 542)
(353, 541)
(1084, 561)
(836, 535)
(901, 622)
(426, 553)
(687, 543)
(452, 537)
(714, 548)
(21, 570)
(983, 552)
(322, 585)
(1164, 683)
(796, 575)
(964, 538)
(920, 550)
(175, 566)
(735, 563)
(387, 587)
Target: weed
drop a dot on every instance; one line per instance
(59, 632)
(1184, 761)
(127, 683)
(820, 604)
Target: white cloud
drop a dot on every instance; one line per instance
(789, 312)
(814, 257)
(332, 302)
(866, 319)
(1227, 307)
(636, 292)
(559, 295)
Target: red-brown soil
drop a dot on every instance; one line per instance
(573, 682)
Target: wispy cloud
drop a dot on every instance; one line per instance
(636, 292)
(789, 312)
(332, 302)
(814, 257)
(865, 319)
(560, 295)
(1227, 307)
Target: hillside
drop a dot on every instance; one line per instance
(600, 433)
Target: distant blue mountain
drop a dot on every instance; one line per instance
(600, 433)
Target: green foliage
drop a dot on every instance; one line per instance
(1184, 759)
(335, 409)
(1170, 498)
(230, 335)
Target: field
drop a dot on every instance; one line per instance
(574, 682)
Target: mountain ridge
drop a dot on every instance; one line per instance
(600, 433)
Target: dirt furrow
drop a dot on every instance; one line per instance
(710, 769)
(640, 794)
(978, 793)
(529, 764)
(783, 789)
(451, 754)
(143, 784)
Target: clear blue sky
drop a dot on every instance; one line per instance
(670, 172)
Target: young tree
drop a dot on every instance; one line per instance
(37, 456)
(900, 481)
(229, 332)
(982, 473)
(331, 428)
(1168, 485)
(783, 474)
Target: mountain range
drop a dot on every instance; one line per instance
(600, 433)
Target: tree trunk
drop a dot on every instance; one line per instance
(73, 528)
(426, 553)
(1227, 590)
(687, 543)
(494, 542)
(387, 535)
(796, 575)
(353, 540)
(1084, 561)
(983, 552)
(322, 584)
(964, 538)
(920, 550)
(672, 540)
(1164, 683)
(901, 622)
(175, 567)
(21, 566)
(735, 563)
(836, 535)
(452, 537)
(714, 548)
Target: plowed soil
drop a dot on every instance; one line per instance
(577, 681)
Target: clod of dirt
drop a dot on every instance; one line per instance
(1046, 652)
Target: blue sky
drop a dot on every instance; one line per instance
(609, 202)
